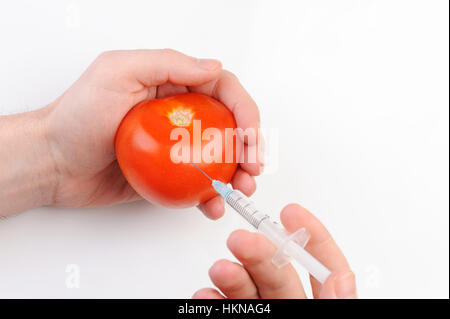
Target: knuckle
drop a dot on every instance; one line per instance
(105, 58)
(230, 75)
(106, 55)
(101, 68)
(170, 52)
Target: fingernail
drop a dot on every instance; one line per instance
(345, 286)
(208, 64)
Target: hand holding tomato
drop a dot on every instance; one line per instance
(81, 124)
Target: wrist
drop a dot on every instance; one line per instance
(28, 175)
(47, 172)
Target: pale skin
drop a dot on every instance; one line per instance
(257, 277)
(63, 155)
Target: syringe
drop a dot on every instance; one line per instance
(288, 245)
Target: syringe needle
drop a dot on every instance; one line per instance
(202, 171)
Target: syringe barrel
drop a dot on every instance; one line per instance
(245, 207)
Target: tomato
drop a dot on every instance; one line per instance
(157, 165)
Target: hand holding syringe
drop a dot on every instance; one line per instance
(288, 245)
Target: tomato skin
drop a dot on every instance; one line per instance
(143, 147)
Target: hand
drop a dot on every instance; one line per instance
(79, 127)
(257, 277)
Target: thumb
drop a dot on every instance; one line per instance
(339, 285)
(156, 67)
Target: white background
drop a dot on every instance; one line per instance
(357, 91)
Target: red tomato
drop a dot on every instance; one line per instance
(144, 145)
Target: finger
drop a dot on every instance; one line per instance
(255, 252)
(213, 208)
(227, 89)
(135, 69)
(233, 280)
(207, 293)
(131, 195)
(341, 285)
(114, 188)
(252, 159)
(244, 182)
(168, 89)
(321, 245)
